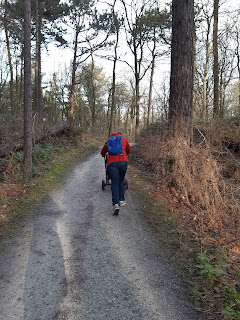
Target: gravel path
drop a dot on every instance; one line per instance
(75, 260)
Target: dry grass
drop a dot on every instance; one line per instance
(194, 177)
(201, 186)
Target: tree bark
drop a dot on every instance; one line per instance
(181, 81)
(72, 92)
(150, 94)
(137, 104)
(205, 103)
(38, 82)
(137, 88)
(238, 65)
(151, 81)
(136, 46)
(113, 107)
(215, 61)
(93, 92)
(27, 93)
(9, 54)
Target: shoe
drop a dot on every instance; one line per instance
(115, 209)
(122, 203)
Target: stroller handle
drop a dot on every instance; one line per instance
(105, 158)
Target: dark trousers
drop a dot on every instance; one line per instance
(116, 172)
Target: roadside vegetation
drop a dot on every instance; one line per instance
(200, 187)
(52, 160)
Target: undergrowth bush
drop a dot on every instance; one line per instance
(41, 156)
(195, 177)
(11, 166)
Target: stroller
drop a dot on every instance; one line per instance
(107, 181)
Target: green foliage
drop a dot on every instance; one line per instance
(41, 156)
(208, 267)
(232, 309)
(19, 156)
(12, 165)
(42, 152)
(232, 314)
(214, 269)
(158, 22)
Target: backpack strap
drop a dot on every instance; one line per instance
(121, 154)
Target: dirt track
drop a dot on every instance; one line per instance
(75, 260)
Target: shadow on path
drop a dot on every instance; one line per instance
(45, 283)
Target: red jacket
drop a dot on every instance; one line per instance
(115, 158)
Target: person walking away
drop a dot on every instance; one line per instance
(117, 148)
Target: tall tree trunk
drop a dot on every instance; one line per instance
(137, 90)
(136, 44)
(222, 87)
(27, 93)
(137, 104)
(132, 115)
(238, 66)
(109, 107)
(113, 99)
(9, 54)
(114, 69)
(72, 92)
(181, 82)
(205, 103)
(93, 102)
(81, 106)
(21, 93)
(150, 87)
(194, 48)
(38, 82)
(215, 60)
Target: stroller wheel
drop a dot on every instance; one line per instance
(103, 184)
(126, 184)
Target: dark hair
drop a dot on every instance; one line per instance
(120, 133)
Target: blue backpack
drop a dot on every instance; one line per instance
(114, 145)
